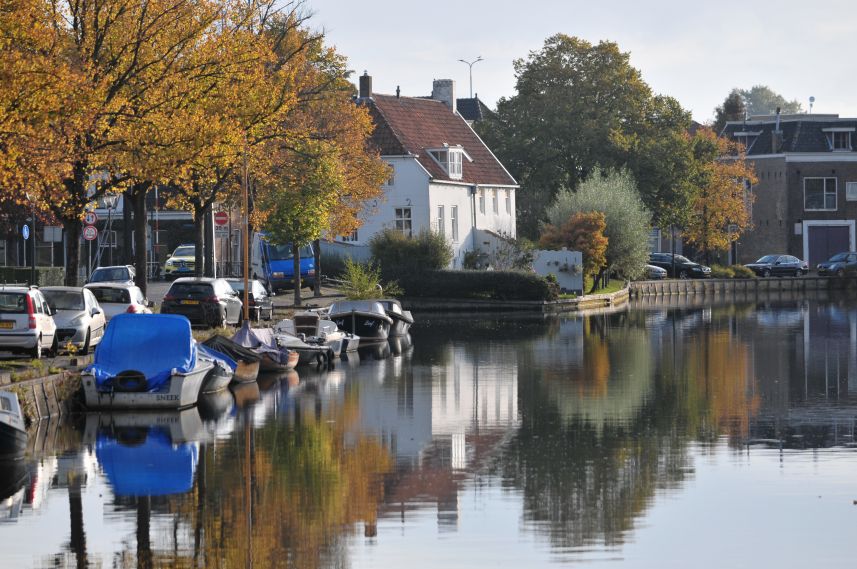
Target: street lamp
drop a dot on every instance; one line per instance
(470, 64)
(32, 200)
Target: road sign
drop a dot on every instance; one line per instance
(90, 232)
(25, 231)
(221, 218)
(90, 218)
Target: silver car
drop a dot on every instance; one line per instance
(115, 298)
(116, 274)
(26, 321)
(79, 318)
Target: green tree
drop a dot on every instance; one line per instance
(582, 232)
(613, 193)
(733, 108)
(762, 100)
(580, 106)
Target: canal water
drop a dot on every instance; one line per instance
(656, 436)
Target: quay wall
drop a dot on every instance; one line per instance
(715, 287)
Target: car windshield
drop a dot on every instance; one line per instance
(680, 259)
(191, 290)
(184, 252)
(109, 275)
(237, 285)
(107, 295)
(284, 252)
(13, 303)
(838, 257)
(768, 259)
(64, 299)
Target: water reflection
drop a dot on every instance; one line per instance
(572, 431)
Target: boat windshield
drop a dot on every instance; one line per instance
(284, 252)
(64, 299)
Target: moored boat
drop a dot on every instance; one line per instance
(221, 372)
(365, 318)
(263, 342)
(125, 375)
(402, 319)
(247, 361)
(315, 339)
(13, 432)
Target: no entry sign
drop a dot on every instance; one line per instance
(90, 233)
(221, 218)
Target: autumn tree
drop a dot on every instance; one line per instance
(580, 106)
(721, 208)
(627, 220)
(584, 232)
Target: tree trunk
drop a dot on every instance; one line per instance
(208, 240)
(316, 245)
(127, 208)
(596, 280)
(199, 239)
(138, 202)
(296, 277)
(77, 542)
(71, 227)
(144, 544)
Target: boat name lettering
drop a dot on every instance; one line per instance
(167, 397)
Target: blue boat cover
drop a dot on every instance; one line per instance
(154, 468)
(217, 355)
(153, 344)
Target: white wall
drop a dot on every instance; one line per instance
(449, 195)
(500, 222)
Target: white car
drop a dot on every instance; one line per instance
(79, 318)
(117, 274)
(655, 273)
(26, 321)
(117, 298)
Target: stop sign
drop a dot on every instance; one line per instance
(221, 218)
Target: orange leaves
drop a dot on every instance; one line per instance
(582, 232)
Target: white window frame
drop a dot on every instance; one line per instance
(509, 202)
(496, 201)
(404, 221)
(441, 220)
(451, 159)
(456, 161)
(482, 201)
(844, 136)
(851, 191)
(824, 194)
(453, 220)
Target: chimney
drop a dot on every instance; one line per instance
(776, 136)
(444, 90)
(365, 86)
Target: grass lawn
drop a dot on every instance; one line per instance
(615, 286)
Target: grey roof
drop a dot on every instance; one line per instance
(472, 109)
(802, 133)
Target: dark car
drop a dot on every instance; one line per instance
(839, 264)
(261, 303)
(684, 267)
(203, 301)
(779, 266)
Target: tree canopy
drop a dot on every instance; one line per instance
(757, 100)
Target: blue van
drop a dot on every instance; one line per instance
(274, 264)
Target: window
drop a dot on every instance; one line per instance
(482, 201)
(455, 168)
(440, 220)
(392, 179)
(819, 194)
(839, 138)
(453, 220)
(851, 191)
(496, 201)
(509, 202)
(450, 159)
(403, 221)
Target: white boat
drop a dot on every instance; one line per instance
(314, 338)
(13, 432)
(146, 361)
(402, 319)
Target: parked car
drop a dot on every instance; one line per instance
(204, 301)
(117, 274)
(779, 266)
(261, 303)
(182, 262)
(684, 267)
(26, 321)
(116, 298)
(654, 273)
(79, 318)
(839, 264)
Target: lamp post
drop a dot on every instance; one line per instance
(470, 64)
(32, 200)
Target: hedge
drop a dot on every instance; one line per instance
(481, 285)
(46, 276)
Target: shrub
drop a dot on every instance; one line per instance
(721, 272)
(742, 272)
(47, 276)
(400, 255)
(484, 285)
(364, 281)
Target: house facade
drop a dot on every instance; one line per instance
(444, 178)
(806, 196)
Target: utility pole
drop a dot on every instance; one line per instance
(470, 64)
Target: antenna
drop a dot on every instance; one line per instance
(811, 101)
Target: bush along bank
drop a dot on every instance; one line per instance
(733, 272)
(478, 285)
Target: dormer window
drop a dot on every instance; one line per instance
(839, 139)
(451, 159)
(747, 138)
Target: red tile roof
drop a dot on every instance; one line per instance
(414, 125)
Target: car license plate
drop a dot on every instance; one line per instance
(6, 324)
(277, 275)
(190, 302)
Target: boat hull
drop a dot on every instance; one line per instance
(217, 379)
(182, 391)
(267, 364)
(13, 442)
(246, 372)
(367, 325)
(400, 326)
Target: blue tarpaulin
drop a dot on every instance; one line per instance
(153, 344)
(154, 468)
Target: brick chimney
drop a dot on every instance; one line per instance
(444, 90)
(365, 85)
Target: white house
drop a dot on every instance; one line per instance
(444, 177)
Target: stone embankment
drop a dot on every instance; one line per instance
(719, 287)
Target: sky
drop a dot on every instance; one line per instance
(693, 50)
